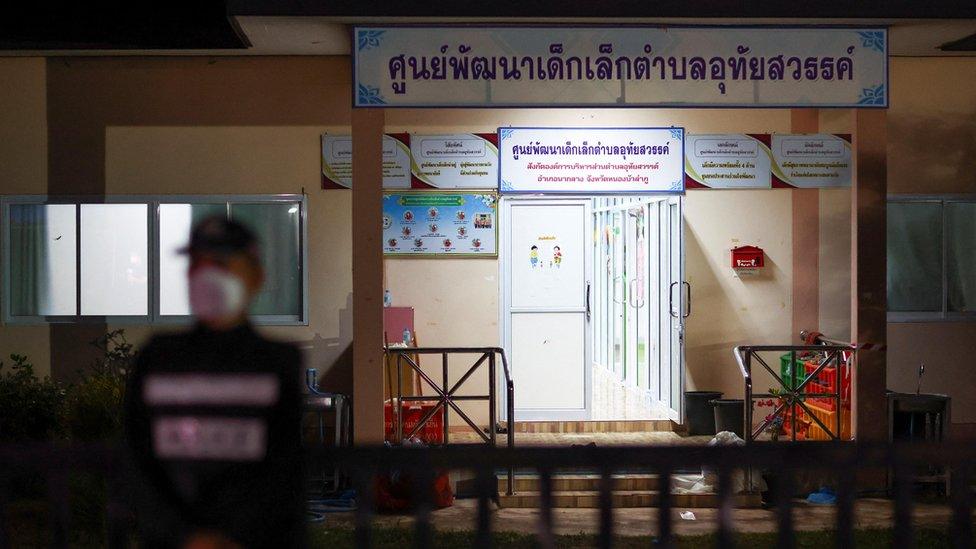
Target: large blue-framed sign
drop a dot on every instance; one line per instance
(460, 66)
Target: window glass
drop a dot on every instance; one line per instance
(915, 257)
(114, 259)
(961, 255)
(277, 227)
(42, 259)
(175, 223)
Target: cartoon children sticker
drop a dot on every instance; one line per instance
(534, 256)
(557, 256)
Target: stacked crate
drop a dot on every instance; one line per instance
(824, 408)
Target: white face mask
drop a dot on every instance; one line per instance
(216, 295)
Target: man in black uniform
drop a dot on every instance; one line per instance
(213, 415)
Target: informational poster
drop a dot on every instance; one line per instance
(620, 65)
(591, 160)
(812, 160)
(548, 251)
(440, 224)
(731, 161)
(457, 161)
(337, 161)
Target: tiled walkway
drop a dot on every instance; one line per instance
(870, 513)
(600, 439)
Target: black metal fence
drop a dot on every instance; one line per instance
(447, 397)
(847, 460)
(794, 387)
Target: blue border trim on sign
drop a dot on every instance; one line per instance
(882, 28)
(502, 183)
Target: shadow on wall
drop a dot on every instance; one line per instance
(332, 356)
(944, 168)
(730, 319)
(704, 362)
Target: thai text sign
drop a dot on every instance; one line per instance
(764, 161)
(615, 66)
(451, 224)
(591, 160)
(337, 161)
(735, 161)
(814, 160)
(454, 161)
(418, 161)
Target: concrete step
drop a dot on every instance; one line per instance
(622, 426)
(624, 499)
(568, 482)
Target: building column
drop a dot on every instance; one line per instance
(869, 274)
(367, 273)
(806, 239)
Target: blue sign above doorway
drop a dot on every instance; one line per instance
(614, 66)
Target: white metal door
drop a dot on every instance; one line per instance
(545, 314)
(679, 297)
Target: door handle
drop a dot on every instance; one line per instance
(634, 302)
(587, 301)
(671, 300)
(623, 300)
(688, 312)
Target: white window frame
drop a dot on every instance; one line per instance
(945, 315)
(152, 202)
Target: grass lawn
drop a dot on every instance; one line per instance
(399, 537)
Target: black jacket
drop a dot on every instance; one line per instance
(256, 498)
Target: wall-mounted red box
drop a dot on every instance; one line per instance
(747, 257)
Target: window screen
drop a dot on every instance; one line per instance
(915, 256)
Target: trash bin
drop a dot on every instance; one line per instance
(701, 419)
(730, 415)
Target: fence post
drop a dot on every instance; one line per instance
(487, 485)
(446, 397)
(903, 535)
(492, 399)
(606, 508)
(665, 537)
(724, 507)
(546, 540)
(961, 497)
(365, 491)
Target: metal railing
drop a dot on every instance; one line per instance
(792, 395)
(446, 397)
(845, 460)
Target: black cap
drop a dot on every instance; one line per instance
(219, 235)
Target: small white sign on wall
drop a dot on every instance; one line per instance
(811, 161)
(455, 161)
(337, 161)
(729, 161)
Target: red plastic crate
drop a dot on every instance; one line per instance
(802, 424)
(431, 433)
(826, 382)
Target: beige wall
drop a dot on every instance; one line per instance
(729, 310)
(456, 301)
(23, 170)
(189, 125)
(932, 150)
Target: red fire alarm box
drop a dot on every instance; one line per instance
(747, 257)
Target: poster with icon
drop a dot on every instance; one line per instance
(441, 224)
